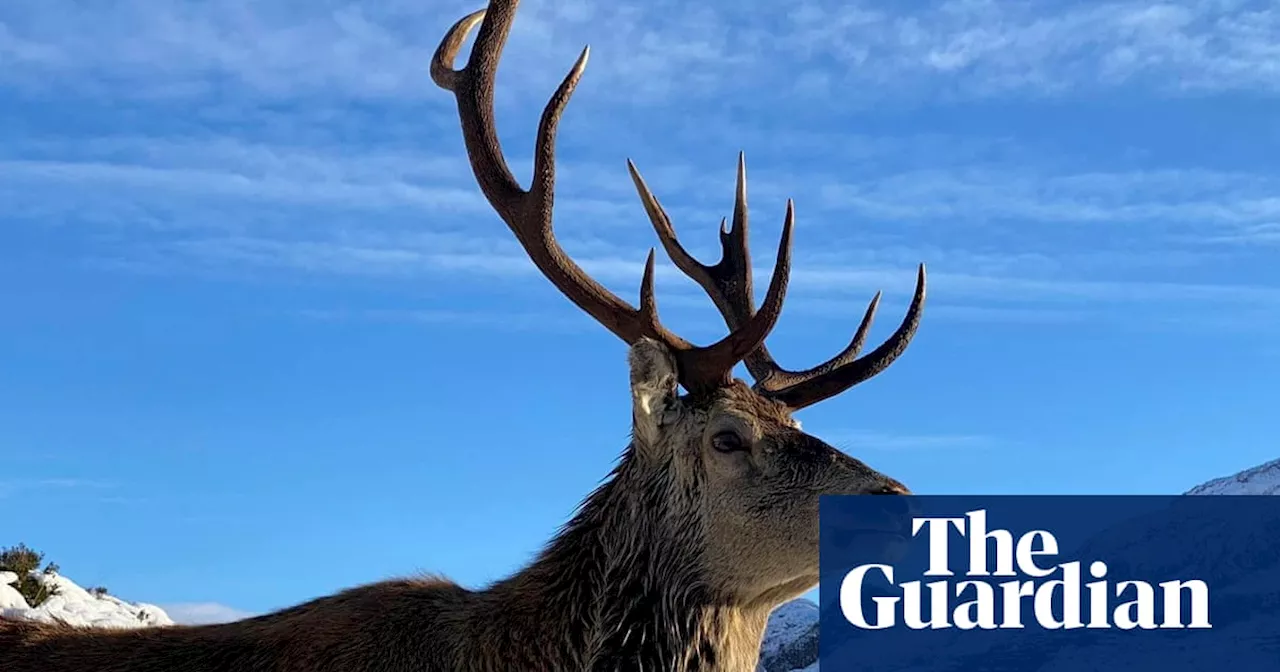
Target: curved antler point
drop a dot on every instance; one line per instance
(442, 70)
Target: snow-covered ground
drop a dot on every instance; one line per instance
(790, 642)
(74, 605)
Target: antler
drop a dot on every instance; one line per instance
(728, 283)
(528, 213)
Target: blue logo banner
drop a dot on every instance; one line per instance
(1053, 583)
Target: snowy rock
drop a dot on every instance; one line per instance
(791, 638)
(74, 605)
(10, 598)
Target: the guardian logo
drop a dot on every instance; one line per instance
(972, 604)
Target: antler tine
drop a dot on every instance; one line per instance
(529, 213)
(729, 284)
(830, 379)
(730, 279)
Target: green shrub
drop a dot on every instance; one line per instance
(24, 561)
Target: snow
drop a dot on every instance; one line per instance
(10, 598)
(1263, 479)
(74, 605)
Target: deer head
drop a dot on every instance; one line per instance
(725, 461)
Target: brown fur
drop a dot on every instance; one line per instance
(673, 564)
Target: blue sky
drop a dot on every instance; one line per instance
(261, 337)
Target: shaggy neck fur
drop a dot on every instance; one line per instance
(621, 588)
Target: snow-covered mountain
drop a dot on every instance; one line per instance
(1263, 479)
(74, 605)
(790, 642)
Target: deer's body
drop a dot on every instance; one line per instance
(409, 626)
(673, 565)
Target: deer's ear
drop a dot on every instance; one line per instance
(653, 388)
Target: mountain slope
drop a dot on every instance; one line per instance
(1263, 479)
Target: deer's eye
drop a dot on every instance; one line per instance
(728, 442)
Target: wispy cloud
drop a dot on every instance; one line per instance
(204, 613)
(154, 170)
(650, 52)
(554, 322)
(985, 48)
(1199, 197)
(431, 193)
(183, 207)
(1267, 234)
(26, 486)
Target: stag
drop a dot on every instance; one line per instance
(707, 523)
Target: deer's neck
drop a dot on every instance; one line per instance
(620, 589)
